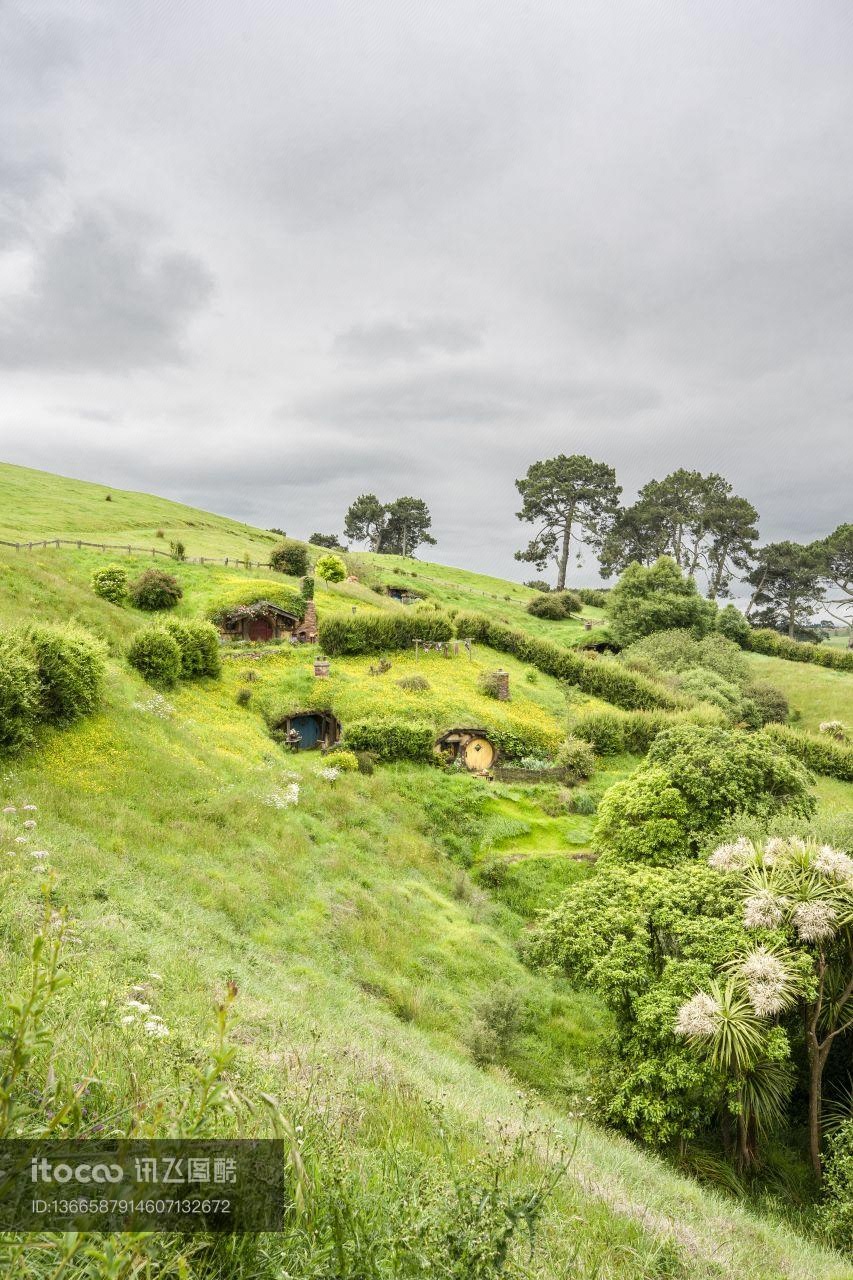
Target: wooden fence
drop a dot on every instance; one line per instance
(236, 562)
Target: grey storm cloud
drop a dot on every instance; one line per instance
(267, 258)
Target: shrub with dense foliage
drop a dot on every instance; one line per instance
(577, 758)
(731, 623)
(289, 556)
(612, 732)
(656, 598)
(676, 651)
(330, 568)
(770, 703)
(691, 780)
(156, 655)
(836, 1212)
(391, 737)
(19, 692)
(378, 632)
(489, 683)
(110, 583)
(705, 685)
(154, 590)
(600, 677)
(199, 646)
(71, 664)
(775, 645)
(819, 752)
(555, 606)
(597, 597)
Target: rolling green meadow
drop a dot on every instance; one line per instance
(364, 931)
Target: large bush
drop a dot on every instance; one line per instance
(110, 583)
(595, 596)
(199, 646)
(555, 605)
(612, 732)
(156, 655)
(731, 623)
(707, 686)
(379, 632)
(778, 646)
(290, 557)
(154, 590)
(391, 737)
(678, 650)
(577, 758)
(715, 772)
(836, 1212)
(656, 598)
(601, 677)
(71, 664)
(19, 692)
(770, 703)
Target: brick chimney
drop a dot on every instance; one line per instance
(307, 629)
(502, 681)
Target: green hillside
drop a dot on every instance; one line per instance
(356, 915)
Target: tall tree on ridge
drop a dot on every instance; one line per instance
(365, 521)
(836, 556)
(569, 497)
(786, 581)
(407, 525)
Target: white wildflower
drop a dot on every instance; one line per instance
(29, 824)
(156, 977)
(10, 808)
(138, 1004)
(40, 854)
(29, 808)
(698, 1017)
(833, 864)
(127, 1019)
(834, 729)
(733, 857)
(763, 911)
(285, 799)
(329, 773)
(815, 921)
(20, 839)
(156, 1029)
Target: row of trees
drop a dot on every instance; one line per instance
(393, 528)
(697, 520)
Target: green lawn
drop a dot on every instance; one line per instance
(815, 693)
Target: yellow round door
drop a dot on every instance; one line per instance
(479, 754)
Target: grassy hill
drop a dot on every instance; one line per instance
(189, 851)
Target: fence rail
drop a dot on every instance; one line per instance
(237, 562)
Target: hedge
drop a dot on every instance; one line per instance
(156, 655)
(821, 754)
(391, 738)
(774, 645)
(612, 732)
(341, 633)
(19, 693)
(595, 596)
(600, 677)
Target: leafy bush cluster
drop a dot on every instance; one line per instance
(48, 674)
(691, 780)
(555, 606)
(820, 753)
(775, 645)
(599, 677)
(391, 738)
(577, 758)
(836, 1212)
(331, 568)
(612, 732)
(291, 557)
(731, 623)
(657, 598)
(378, 632)
(110, 583)
(597, 597)
(175, 651)
(154, 590)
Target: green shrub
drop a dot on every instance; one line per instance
(489, 683)
(178, 551)
(391, 738)
(604, 730)
(644, 818)
(243, 696)
(577, 758)
(770, 703)
(707, 686)
(537, 584)
(836, 1213)
(19, 692)
(290, 557)
(601, 677)
(778, 646)
(154, 590)
(656, 598)
(359, 633)
(583, 802)
(834, 729)
(820, 753)
(612, 732)
(499, 1019)
(330, 568)
(199, 646)
(550, 606)
(346, 761)
(597, 597)
(731, 623)
(71, 664)
(677, 651)
(306, 591)
(156, 655)
(414, 684)
(110, 583)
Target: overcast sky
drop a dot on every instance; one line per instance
(262, 257)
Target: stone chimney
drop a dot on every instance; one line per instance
(502, 682)
(307, 629)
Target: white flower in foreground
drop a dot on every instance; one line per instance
(833, 864)
(766, 998)
(29, 808)
(329, 773)
(763, 911)
(128, 1019)
(815, 921)
(156, 1028)
(762, 965)
(733, 857)
(29, 824)
(10, 808)
(698, 1017)
(284, 799)
(20, 839)
(40, 854)
(138, 1004)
